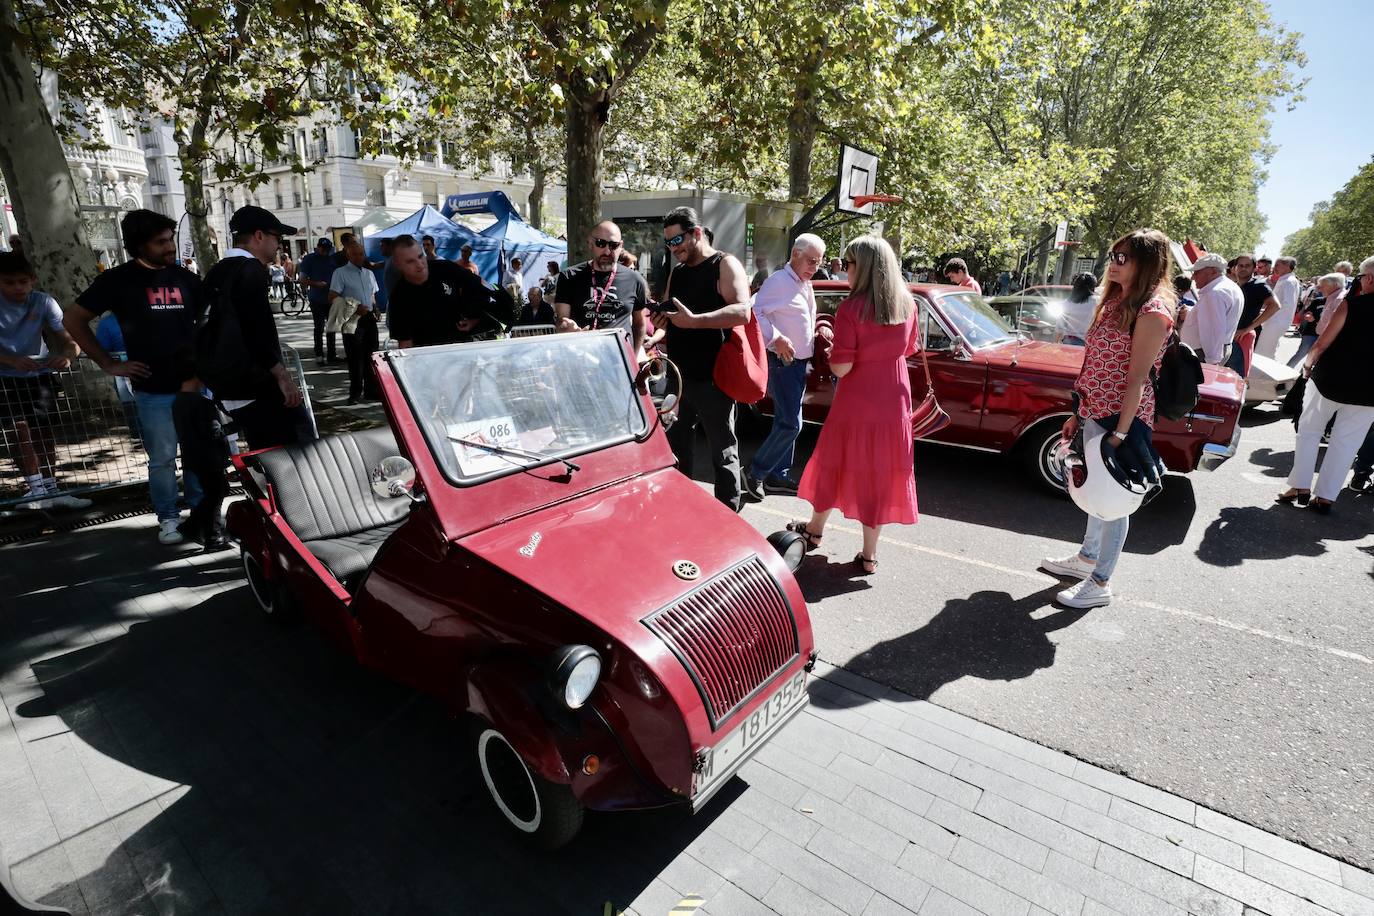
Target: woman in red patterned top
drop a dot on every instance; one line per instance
(1135, 316)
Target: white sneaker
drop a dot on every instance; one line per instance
(62, 501)
(1086, 594)
(36, 499)
(169, 533)
(1070, 567)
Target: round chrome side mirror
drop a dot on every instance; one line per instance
(393, 477)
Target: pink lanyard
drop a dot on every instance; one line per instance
(605, 291)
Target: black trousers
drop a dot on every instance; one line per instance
(204, 453)
(319, 312)
(268, 422)
(705, 405)
(358, 348)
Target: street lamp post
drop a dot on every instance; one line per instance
(99, 189)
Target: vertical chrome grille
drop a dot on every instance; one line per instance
(732, 634)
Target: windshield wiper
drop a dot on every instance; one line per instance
(519, 453)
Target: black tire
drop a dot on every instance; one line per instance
(544, 813)
(273, 601)
(1036, 450)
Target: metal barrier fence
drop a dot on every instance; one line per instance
(94, 428)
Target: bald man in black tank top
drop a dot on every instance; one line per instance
(711, 292)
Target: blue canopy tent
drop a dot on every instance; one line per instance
(449, 237)
(512, 235)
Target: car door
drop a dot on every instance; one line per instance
(958, 373)
(820, 382)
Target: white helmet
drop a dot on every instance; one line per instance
(1099, 489)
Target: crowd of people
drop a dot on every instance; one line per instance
(184, 379)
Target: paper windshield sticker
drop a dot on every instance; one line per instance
(473, 460)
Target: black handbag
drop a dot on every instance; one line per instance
(1292, 401)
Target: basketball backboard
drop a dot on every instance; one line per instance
(858, 176)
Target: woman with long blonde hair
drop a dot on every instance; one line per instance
(862, 464)
(1135, 315)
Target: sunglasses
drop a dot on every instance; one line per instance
(850, 262)
(607, 243)
(1119, 258)
(955, 270)
(676, 240)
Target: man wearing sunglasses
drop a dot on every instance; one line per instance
(708, 292)
(602, 293)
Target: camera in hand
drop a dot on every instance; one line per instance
(662, 308)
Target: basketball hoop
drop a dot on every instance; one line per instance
(863, 200)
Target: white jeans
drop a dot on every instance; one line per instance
(1271, 331)
(1352, 422)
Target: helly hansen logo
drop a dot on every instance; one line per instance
(165, 297)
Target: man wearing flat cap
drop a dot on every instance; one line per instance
(263, 399)
(1210, 326)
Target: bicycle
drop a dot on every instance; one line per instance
(293, 300)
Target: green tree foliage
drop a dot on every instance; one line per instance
(1342, 228)
(234, 78)
(1176, 94)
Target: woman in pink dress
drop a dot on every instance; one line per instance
(862, 464)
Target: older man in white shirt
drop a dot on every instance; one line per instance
(786, 310)
(1287, 290)
(1211, 325)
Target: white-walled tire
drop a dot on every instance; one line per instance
(545, 813)
(1038, 456)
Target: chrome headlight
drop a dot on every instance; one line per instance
(791, 546)
(573, 674)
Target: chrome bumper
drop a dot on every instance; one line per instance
(1214, 456)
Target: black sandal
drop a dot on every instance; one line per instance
(813, 541)
(1322, 506)
(869, 566)
(1294, 498)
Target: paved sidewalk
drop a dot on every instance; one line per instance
(163, 749)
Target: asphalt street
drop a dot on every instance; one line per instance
(1236, 667)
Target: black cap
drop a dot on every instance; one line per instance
(328, 243)
(253, 219)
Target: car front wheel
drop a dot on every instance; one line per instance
(263, 592)
(1039, 456)
(545, 813)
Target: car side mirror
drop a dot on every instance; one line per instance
(394, 477)
(961, 349)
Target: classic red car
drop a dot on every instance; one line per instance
(1010, 395)
(519, 544)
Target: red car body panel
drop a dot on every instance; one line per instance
(996, 394)
(480, 584)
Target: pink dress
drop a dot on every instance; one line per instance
(862, 464)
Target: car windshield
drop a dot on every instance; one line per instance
(493, 408)
(976, 321)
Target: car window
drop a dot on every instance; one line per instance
(549, 396)
(975, 321)
(933, 334)
(829, 303)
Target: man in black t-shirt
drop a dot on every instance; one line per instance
(439, 302)
(157, 304)
(601, 293)
(1259, 305)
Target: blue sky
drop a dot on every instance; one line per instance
(1325, 140)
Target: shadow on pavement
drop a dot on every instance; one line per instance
(1275, 464)
(821, 578)
(1276, 532)
(297, 782)
(987, 635)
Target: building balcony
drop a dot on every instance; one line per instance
(125, 159)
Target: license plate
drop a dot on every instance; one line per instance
(744, 739)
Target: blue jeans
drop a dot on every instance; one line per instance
(160, 441)
(786, 385)
(1306, 344)
(1102, 543)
